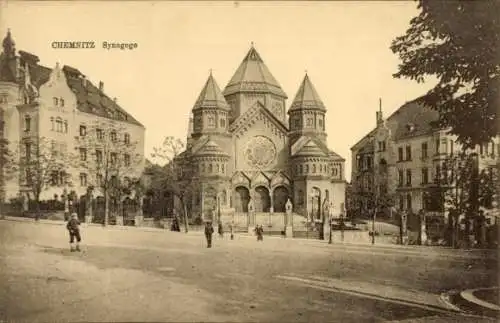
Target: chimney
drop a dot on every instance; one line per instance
(84, 81)
(378, 114)
(101, 86)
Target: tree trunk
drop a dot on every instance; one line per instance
(37, 211)
(106, 208)
(185, 217)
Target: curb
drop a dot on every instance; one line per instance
(469, 296)
(469, 306)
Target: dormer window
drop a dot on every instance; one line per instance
(56, 102)
(410, 127)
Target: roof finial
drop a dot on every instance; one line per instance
(210, 72)
(380, 104)
(252, 44)
(305, 71)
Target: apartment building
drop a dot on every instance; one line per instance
(58, 111)
(402, 157)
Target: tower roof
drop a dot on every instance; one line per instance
(307, 97)
(211, 96)
(253, 76)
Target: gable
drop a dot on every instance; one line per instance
(257, 113)
(280, 179)
(260, 179)
(307, 145)
(240, 179)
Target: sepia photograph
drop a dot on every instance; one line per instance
(249, 161)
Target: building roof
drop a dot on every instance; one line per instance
(307, 97)
(90, 99)
(253, 76)
(412, 119)
(211, 96)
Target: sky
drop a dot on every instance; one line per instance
(343, 46)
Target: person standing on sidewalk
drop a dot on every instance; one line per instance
(73, 227)
(209, 231)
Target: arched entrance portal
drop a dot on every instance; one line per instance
(262, 199)
(241, 199)
(280, 196)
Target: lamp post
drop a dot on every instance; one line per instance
(330, 217)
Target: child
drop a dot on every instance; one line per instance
(74, 232)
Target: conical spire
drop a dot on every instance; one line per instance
(307, 97)
(9, 46)
(211, 96)
(253, 76)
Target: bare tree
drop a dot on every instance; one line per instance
(115, 159)
(176, 177)
(43, 163)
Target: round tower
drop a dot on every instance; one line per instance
(307, 113)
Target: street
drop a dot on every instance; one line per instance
(134, 275)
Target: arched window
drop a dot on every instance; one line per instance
(210, 168)
(27, 123)
(309, 122)
(203, 168)
(62, 102)
(307, 168)
(314, 168)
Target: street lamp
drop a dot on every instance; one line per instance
(330, 217)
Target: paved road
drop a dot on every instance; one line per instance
(165, 276)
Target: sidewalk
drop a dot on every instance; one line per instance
(410, 249)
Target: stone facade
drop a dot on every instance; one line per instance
(242, 147)
(58, 106)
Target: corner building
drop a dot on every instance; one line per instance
(58, 105)
(244, 146)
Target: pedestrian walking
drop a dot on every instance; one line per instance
(73, 227)
(209, 230)
(259, 230)
(220, 230)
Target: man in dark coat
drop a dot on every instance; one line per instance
(209, 231)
